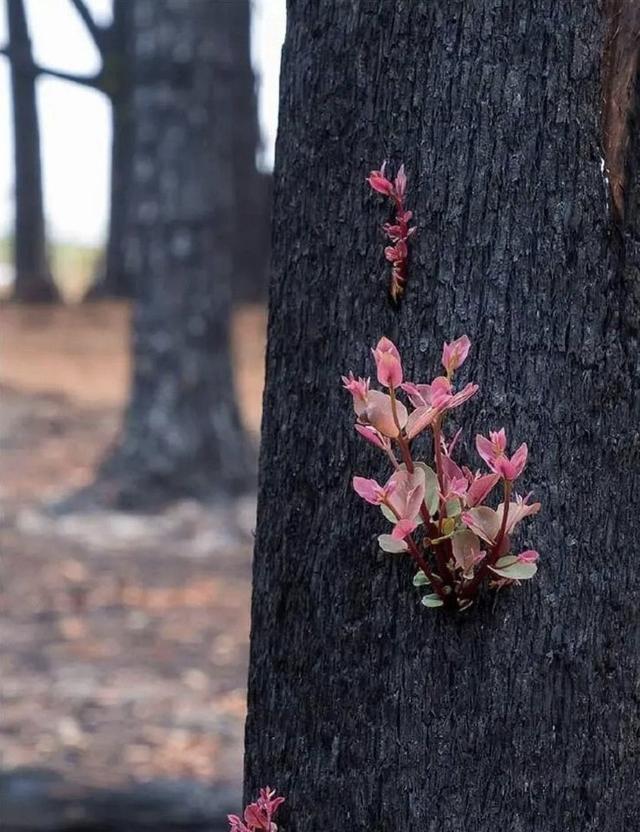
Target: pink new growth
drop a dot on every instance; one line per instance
(493, 451)
(379, 182)
(530, 556)
(359, 389)
(454, 354)
(438, 513)
(388, 363)
(398, 232)
(258, 816)
(373, 492)
(374, 436)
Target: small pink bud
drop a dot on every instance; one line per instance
(388, 363)
(530, 556)
(401, 183)
(455, 353)
(493, 451)
(359, 389)
(397, 253)
(379, 182)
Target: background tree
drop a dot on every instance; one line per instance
(114, 80)
(33, 280)
(182, 433)
(251, 246)
(374, 713)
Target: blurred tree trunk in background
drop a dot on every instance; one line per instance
(252, 237)
(33, 281)
(182, 433)
(114, 44)
(368, 711)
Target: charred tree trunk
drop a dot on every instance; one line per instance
(365, 709)
(253, 218)
(33, 281)
(182, 433)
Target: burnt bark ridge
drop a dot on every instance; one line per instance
(33, 279)
(373, 712)
(182, 433)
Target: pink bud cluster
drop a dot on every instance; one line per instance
(439, 514)
(398, 231)
(258, 816)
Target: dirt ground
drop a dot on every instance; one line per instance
(124, 637)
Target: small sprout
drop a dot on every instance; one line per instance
(399, 231)
(420, 579)
(258, 816)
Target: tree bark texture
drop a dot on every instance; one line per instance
(182, 433)
(33, 280)
(368, 711)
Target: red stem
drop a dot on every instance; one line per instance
(438, 455)
(419, 559)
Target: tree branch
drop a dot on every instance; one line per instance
(96, 31)
(93, 81)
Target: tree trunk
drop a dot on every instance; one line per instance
(33, 281)
(368, 711)
(113, 280)
(253, 217)
(182, 434)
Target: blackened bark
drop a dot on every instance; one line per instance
(253, 215)
(365, 709)
(182, 433)
(33, 280)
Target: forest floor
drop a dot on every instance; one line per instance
(124, 637)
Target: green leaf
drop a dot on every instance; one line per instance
(391, 545)
(431, 498)
(420, 579)
(506, 560)
(454, 507)
(432, 601)
(516, 570)
(389, 515)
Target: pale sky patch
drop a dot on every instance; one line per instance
(75, 128)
